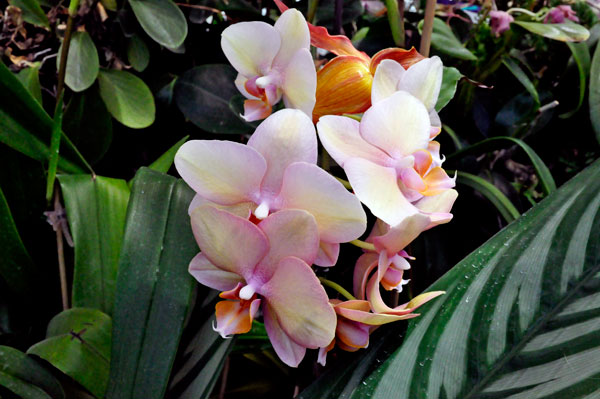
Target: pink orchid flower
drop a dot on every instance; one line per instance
(500, 22)
(276, 170)
(557, 15)
(390, 160)
(265, 266)
(273, 62)
(422, 79)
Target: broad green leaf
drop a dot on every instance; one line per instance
(54, 148)
(581, 55)
(165, 161)
(396, 24)
(32, 12)
(444, 41)
(162, 20)
(26, 127)
(127, 98)
(494, 143)
(565, 32)
(154, 288)
(30, 79)
(21, 388)
(520, 317)
(78, 343)
(203, 95)
(110, 4)
(88, 124)
(522, 77)
(138, 53)
(450, 79)
(594, 98)
(82, 62)
(16, 267)
(493, 194)
(18, 365)
(96, 208)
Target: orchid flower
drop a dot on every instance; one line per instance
(276, 170)
(272, 62)
(500, 22)
(344, 83)
(390, 160)
(557, 15)
(422, 79)
(265, 266)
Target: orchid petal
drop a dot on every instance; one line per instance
(376, 187)
(285, 137)
(230, 243)
(294, 34)
(364, 265)
(352, 333)
(424, 81)
(438, 207)
(300, 304)
(339, 215)
(221, 171)
(288, 351)
(255, 110)
(437, 181)
(388, 75)
(235, 317)
(434, 119)
(250, 47)
(360, 311)
(328, 254)
(291, 232)
(341, 138)
(406, 58)
(211, 276)
(399, 125)
(402, 234)
(243, 209)
(300, 82)
(240, 83)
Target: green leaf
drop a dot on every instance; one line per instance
(520, 317)
(396, 23)
(96, 209)
(162, 20)
(581, 54)
(203, 95)
(138, 53)
(30, 79)
(491, 144)
(82, 62)
(489, 191)
(165, 161)
(522, 78)
(16, 267)
(78, 344)
(32, 12)
(16, 364)
(127, 98)
(21, 388)
(110, 5)
(54, 148)
(594, 98)
(444, 41)
(26, 127)
(565, 32)
(88, 123)
(154, 288)
(450, 79)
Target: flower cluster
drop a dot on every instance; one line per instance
(264, 212)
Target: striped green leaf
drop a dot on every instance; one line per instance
(521, 314)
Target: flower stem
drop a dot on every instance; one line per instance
(364, 245)
(338, 288)
(427, 27)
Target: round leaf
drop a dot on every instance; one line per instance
(162, 20)
(137, 53)
(82, 62)
(127, 98)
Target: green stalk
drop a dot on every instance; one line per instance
(338, 288)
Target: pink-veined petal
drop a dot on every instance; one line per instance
(300, 82)
(210, 275)
(235, 317)
(294, 34)
(424, 80)
(399, 125)
(376, 187)
(285, 137)
(291, 232)
(300, 304)
(242, 210)
(341, 138)
(339, 215)
(251, 47)
(228, 241)
(402, 234)
(288, 351)
(328, 254)
(388, 75)
(221, 171)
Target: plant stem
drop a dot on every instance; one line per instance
(337, 24)
(427, 27)
(61, 255)
(396, 21)
(338, 288)
(364, 245)
(312, 10)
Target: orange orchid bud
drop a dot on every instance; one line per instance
(343, 87)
